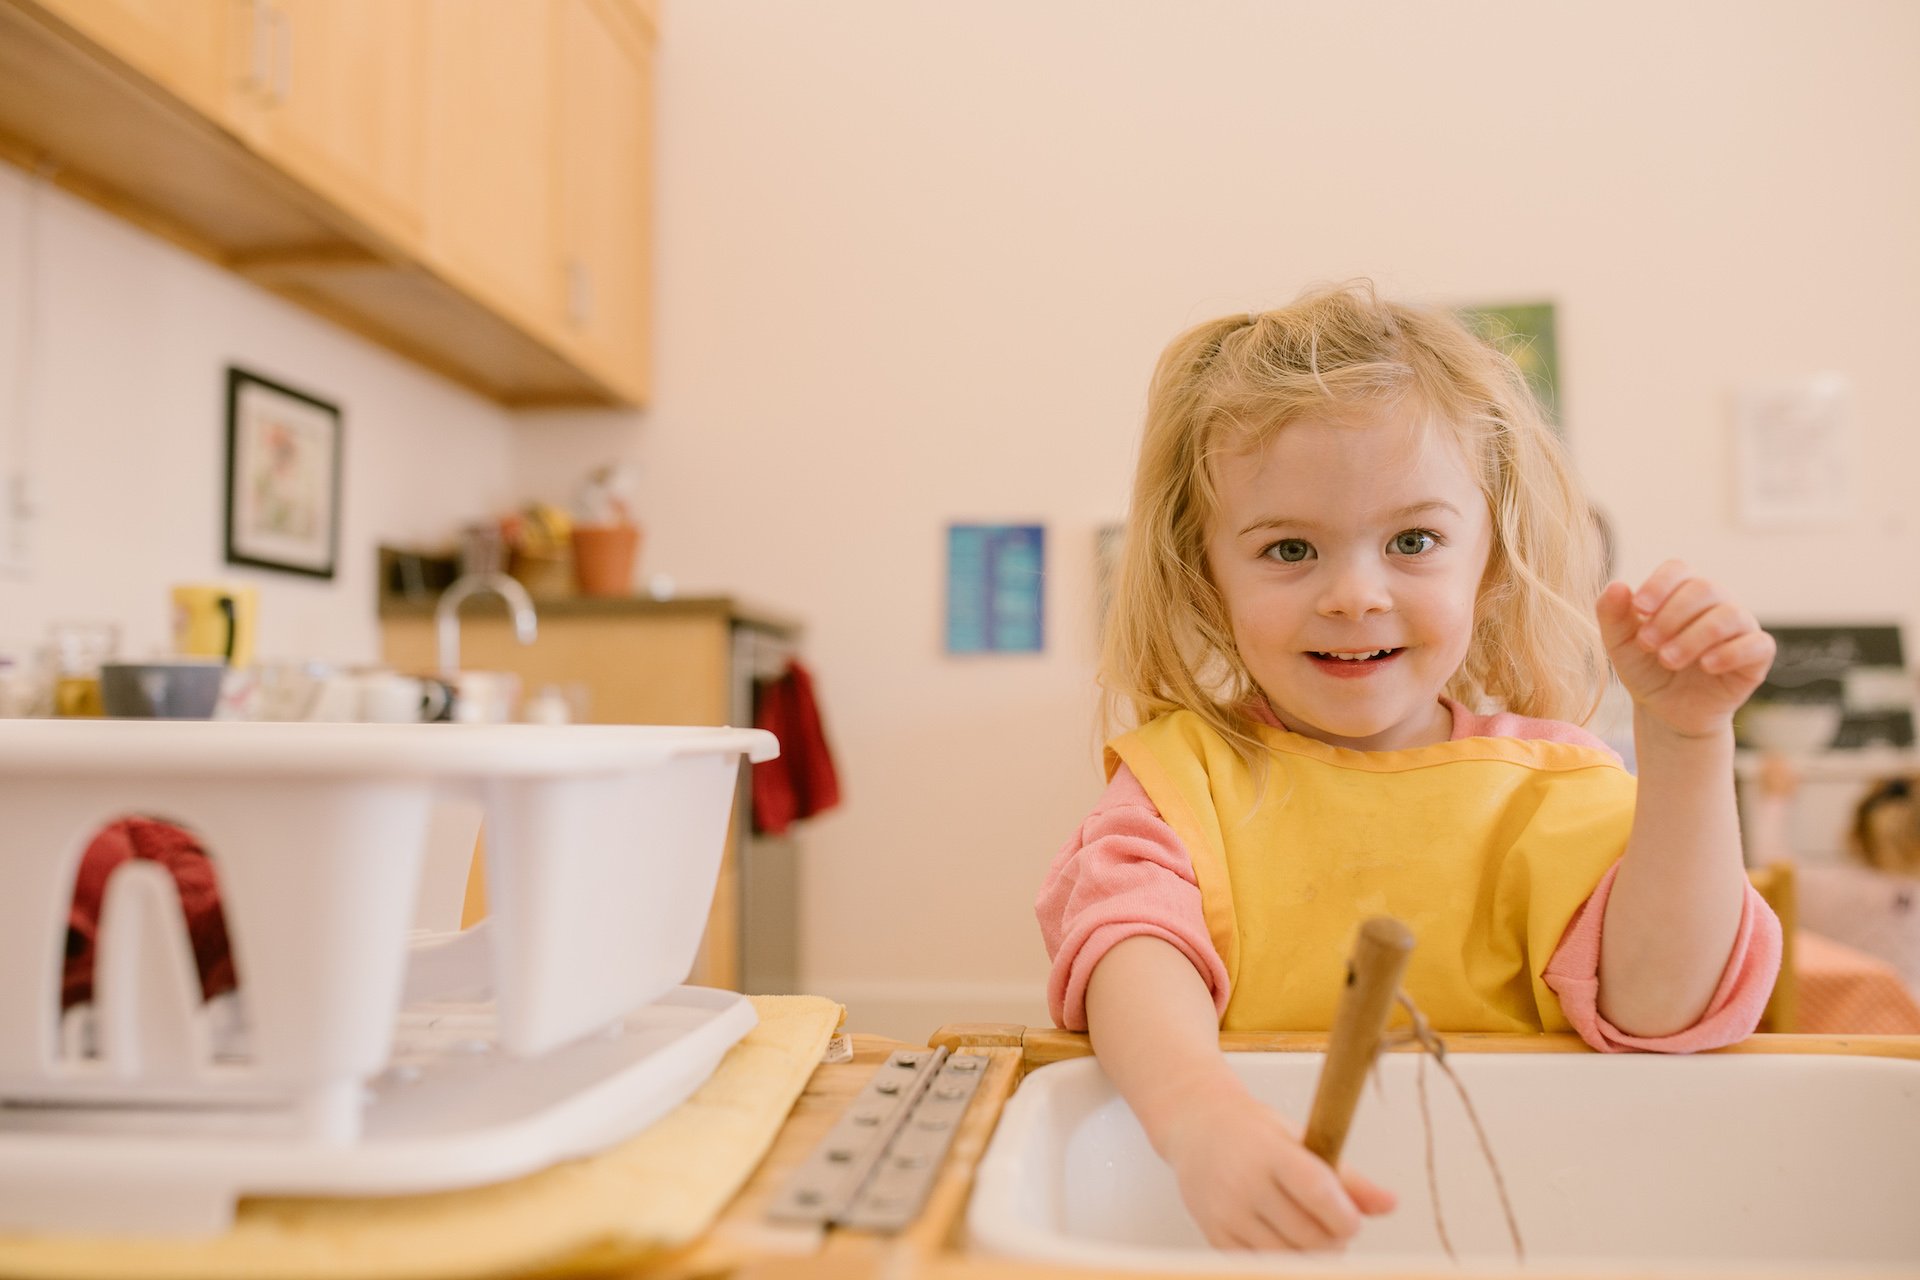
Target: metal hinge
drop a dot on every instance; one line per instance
(875, 1166)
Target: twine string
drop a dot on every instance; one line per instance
(1421, 1032)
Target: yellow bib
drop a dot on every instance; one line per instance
(1484, 847)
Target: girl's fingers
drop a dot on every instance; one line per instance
(1368, 1197)
(1684, 605)
(1614, 609)
(1719, 624)
(1288, 1219)
(1310, 1184)
(1249, 1234)
(1749, 653)
(1650, 595)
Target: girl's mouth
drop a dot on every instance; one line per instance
(1352, 663)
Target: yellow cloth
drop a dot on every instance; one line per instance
(659, 1189)
(1484, 847)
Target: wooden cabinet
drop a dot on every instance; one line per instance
(640, 662)
(332, 91)
(468, 184)
(181, 44)
(604, 170)
(492, 135)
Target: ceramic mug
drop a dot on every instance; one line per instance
(215, 621)
(378, 697)
(485, 697)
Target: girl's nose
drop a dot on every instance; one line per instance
(1354, 591)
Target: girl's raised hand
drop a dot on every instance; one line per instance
(1250, 1184)
(1686, 652)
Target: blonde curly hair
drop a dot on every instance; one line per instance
(1341, 351)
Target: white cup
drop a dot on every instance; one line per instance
(485, 697)
(378, 697)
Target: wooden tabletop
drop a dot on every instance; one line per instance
(744, 1243)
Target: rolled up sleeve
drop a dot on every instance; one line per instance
(1122, 874)
(1731, 1015)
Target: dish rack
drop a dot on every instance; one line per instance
(375, 1059)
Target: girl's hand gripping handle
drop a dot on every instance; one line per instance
(1380, 953)
(1243, 1173)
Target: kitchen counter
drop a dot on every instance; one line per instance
(727, 608)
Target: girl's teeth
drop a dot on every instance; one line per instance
(1356, 657)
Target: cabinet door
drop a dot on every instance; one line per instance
(605, 148)
(341, 102)
(489, 156)
(181, 45)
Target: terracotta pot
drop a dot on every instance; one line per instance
(603, 558)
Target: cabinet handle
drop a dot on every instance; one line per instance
(282, 56)
(259, 48)
(579, 293)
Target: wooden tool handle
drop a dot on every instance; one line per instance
(1380, 952)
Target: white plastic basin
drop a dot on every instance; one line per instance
(1757, 1163)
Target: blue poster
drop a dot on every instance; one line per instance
(995, 580)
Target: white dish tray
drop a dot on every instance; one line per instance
(603, 845)
(451, 1110)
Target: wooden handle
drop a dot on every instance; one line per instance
(1380, 952)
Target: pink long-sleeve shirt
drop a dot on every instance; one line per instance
(1124, 873)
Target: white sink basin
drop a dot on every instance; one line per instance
(1773, 1163)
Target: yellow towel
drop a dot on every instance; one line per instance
(658, 1190)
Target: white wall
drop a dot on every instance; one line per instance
(916, 261)
(113, 398)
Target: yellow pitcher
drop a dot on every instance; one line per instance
(215, 620)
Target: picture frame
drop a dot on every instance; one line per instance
(1527, 332)
(996, 588)
(1857, 669)
(284, 450)
(1795, 460)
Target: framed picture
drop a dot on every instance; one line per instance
(1858, 672)
(1525, 331)
(1794, 462)
(283, 477)
(996, 578)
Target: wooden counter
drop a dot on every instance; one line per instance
(744, 1243)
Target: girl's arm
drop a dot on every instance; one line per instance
(1690, 657)
(1243, 1174)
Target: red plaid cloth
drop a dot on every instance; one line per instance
(181, 854)
(801, 781)
(1848, 992)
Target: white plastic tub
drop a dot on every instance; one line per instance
(603, 846)
(1793, 1164)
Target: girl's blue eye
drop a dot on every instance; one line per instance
(1413, 542)
(1289, 551)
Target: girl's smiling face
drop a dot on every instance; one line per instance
(1350, 556)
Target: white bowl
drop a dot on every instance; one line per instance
(1792, 727)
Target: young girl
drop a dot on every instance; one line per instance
(1354, 619)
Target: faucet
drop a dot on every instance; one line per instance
(446, 614)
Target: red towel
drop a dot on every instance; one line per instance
(180, 853)
(801, 781)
